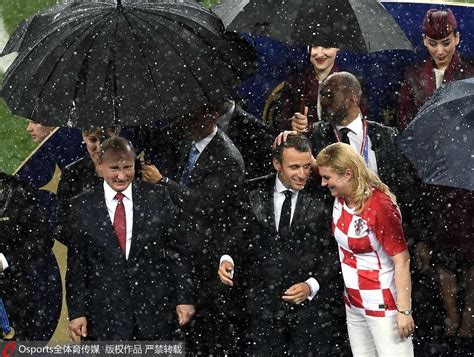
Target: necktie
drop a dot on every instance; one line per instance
(344, 137)
(192, 158)
(120, 223)
(285, 216)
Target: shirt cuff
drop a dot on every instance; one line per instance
(314, 287)
(228, 258)
(4, 261)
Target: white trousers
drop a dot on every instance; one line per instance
(376, 336)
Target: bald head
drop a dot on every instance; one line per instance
(345, 82)
(340, 97)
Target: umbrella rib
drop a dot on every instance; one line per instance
(183, 25)
(147, 65)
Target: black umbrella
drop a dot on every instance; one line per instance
(26, 32)
(440, 140)
(130, 63)
(356, 25)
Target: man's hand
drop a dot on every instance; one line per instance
(151, 174)
(225, 272)
(297, 293)
(423, 256)
(299, 121)
(281, 138)
(185, 312)
(406, 325)
(78, 328)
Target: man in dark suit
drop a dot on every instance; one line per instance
(205, 184)
(343, 121)
(29, 276)
(285, 260)
(125, 271)
(251, 136)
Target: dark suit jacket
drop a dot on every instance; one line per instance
(393, 168)
(267, 265)
(113, 293)
(26, 242)
(271, 264)
(254, 139)
(210, 205)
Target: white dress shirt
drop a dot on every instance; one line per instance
(356, 137)
(111, 203)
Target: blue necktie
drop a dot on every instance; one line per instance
(192, 158)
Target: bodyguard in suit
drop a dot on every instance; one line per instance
(286, 260)
(125, 271)
(343, 121)
(204, 180)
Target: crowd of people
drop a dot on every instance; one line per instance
(230, 238)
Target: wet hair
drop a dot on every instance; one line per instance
(116, 144)
(439, 23)
(342, 157)
(298, 142)
(346, 82)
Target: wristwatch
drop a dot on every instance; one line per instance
(405, 312)
(164, 180)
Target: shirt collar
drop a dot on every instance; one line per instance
(355, 126)
(110, 192)
(280, 188)
(224, 120)
(201, 144)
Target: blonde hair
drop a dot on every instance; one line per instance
(342, 157)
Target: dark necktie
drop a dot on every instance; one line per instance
(344, 137)
(285, 216)
(192, 158)
(120, 222)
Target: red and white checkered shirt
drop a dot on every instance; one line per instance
(366, 243)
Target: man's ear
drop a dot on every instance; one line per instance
(276, 164)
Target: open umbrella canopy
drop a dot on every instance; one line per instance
(113, 63)
(356, 25)
(440, 140)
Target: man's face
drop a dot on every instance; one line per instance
(118, 169)
(294, 168)
(442, 51)
(37, 131)
(323, 58)
(93, 141)
(334, 102)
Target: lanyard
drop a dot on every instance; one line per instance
(364, 149)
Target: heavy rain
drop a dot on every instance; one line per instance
(236, 177)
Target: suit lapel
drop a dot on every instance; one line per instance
(107, 236)
(262, 204)
(301, 207)
(139, 214)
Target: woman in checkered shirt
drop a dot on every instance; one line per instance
(373, 253)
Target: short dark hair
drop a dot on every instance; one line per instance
(298, 142)
(117, 144)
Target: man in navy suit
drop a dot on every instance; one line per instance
(125, 271)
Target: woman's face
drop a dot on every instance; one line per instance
(442, 51)
(93, 141)
(338, 185)
(323, 58)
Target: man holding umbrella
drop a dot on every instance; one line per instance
(204, 172)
